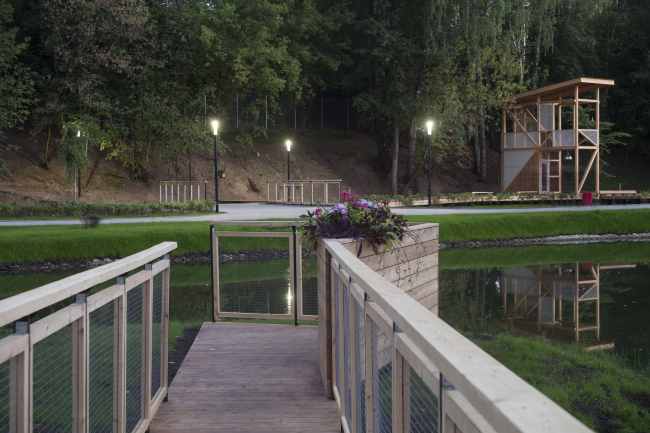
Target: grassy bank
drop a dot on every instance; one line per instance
(596, 387)
(43, 243)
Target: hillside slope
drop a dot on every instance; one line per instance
(315, 155)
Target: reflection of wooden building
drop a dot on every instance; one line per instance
(536, 144)
(548, 300)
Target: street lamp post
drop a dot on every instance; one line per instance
(429, 129)
(288, 169)
(79, 172)
(215, 128)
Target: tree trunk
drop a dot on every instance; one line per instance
(393, 171)
(304, 119)
(482, 174)
(412, 146)
(477, 149)
(538, 48)
(47, 145)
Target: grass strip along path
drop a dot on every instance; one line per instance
(46, 243)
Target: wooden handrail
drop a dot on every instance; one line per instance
(494, 396)
(24, 304)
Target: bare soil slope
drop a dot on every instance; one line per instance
(315, 155)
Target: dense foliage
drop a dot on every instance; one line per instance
(140, 77)
(361, 220)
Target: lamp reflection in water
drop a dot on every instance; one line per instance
(289, 298)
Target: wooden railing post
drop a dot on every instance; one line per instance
(17, 351)
(367, 327)
(215, 274)
(119, 360)
(398, 405)
(80, 360)
(147, 344)
(165, 327)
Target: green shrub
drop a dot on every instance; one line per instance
(125, 209)
(7, 209)
(139, 208)
(155, 207)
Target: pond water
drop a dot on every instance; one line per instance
(541, 290)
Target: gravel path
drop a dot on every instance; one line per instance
(255, 211)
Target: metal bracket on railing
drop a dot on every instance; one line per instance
(446, 384)
(166, 257)
(121, 280)
(367, 298)
(397, 328)
(147, 266)
(81, 298)
(21, 327)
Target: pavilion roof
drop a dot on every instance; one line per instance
(561, 90)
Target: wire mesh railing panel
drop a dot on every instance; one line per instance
(346, 354)
(100, 372)
(333, 191)
(52, 387)
(360, 354)
(309, 281)
(420, 404)
(8, 383)
(156, 334)
(134, 319)
(254, 275)
(319, 193)
(337, 340)
(382, 380)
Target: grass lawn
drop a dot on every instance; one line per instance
(596, 387)
(157, 215)
(43, 243)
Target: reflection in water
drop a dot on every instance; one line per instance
(547, 300)
(602, 306)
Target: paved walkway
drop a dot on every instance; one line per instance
(243, 377)
(255, 211)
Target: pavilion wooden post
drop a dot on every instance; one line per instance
(539, 145)
(576, 128)
(598, 146)
(503, 146)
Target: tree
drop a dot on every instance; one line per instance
(16, 84)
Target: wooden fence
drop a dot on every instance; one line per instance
(304, 191)
(397, 367)
(181, 191)
(98, 364)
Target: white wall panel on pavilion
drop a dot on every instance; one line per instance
(545, 117)
(520, 140)
(513, 162)
(591, 135)
(565, 138)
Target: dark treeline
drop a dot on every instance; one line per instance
(138, 78)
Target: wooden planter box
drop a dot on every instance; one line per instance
(412, 266)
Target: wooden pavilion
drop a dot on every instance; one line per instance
(542, 153)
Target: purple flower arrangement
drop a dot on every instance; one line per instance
(358, 219)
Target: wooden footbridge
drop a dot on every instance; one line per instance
(83, 357)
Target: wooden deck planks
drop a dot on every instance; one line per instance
(241, 377)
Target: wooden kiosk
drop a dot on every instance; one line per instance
(540, 153)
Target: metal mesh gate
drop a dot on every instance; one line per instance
(101, 368)
(255, 274)
(420, 404)
(382, 380)
(134, 331)
(53, 382)
(309, 280)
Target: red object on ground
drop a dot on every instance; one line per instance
(587, 266)
(587, 198)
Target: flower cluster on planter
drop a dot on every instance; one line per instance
(360, 220)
